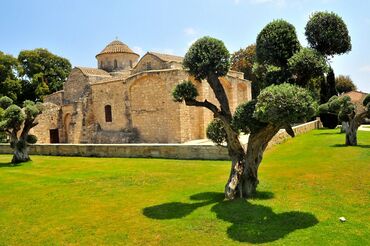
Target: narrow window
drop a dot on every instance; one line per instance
(130, 64)
(101, 64)
(108, 113)
(148, 66)
(115, 63)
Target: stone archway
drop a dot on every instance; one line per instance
(66, 124)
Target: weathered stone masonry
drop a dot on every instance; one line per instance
(130, 100)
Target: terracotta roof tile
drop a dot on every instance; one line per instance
(116, 46)
(88, 71)
(167, 57)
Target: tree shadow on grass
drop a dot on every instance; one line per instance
(8, 164)
(250, 223)
(365, 146)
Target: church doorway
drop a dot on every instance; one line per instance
(54, 135)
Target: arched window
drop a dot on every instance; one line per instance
(115, 63)
(101, 64)
(108, 113)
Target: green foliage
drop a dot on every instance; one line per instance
(10, 85)
(276, 43)
(330, 81)
(327, 33)
(307, 64)
(207, 56)
(366, 101)
(31, 139)
(216, 131)
(31, 109)
(243, 119)
(284, 104)
(13, 117)
(5, 102)
(340, 106)
(44, 72)
(271, 75)
(344, 84)
(184, 91)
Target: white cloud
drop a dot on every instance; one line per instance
(365, 68)
(190, 31)
(236, 1)
(138, 50)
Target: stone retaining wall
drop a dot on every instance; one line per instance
(174, 151)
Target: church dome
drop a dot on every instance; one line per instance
(116, 46)
(116, 57)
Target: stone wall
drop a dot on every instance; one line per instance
(112, 94)
(178, 151)
(49, 119)
(281, 136)
(154, 62)
(153, 112)
(75, 86)
(56, 98)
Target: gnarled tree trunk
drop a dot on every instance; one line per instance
(344, 127)
(354, 123)
(243, 179)
(20, 153)
(257, 144)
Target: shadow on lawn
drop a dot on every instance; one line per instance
(250, 222)
(365, 146)
(8, 164)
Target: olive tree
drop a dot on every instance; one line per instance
(276, 43)
(208, 60)
(17, 122)
(350, 113)
(327, 33)
(307, 64)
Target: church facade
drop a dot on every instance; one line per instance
(127, 99)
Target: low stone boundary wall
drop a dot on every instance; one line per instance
(173, 151)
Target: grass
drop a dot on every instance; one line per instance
(306, 184)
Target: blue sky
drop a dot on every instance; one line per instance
(78, 30)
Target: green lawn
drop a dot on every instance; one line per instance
(306, 184)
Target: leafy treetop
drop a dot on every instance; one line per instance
(276, 43)
(206, 56)
(344, 84)
(327, 33)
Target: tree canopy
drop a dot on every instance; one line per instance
(344, 83)
(276, 43)
(327, 33)
(43, 72)
(10, 84)
(207, 55)
(16, 122)
(307, 64)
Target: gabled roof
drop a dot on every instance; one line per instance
(88, 71)
(356, 96)
(116, 46)
(167, 57)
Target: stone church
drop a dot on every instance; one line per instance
(129, 99)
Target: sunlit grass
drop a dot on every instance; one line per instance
(306, 184)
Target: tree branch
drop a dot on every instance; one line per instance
(220, 94)
(204, 104)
